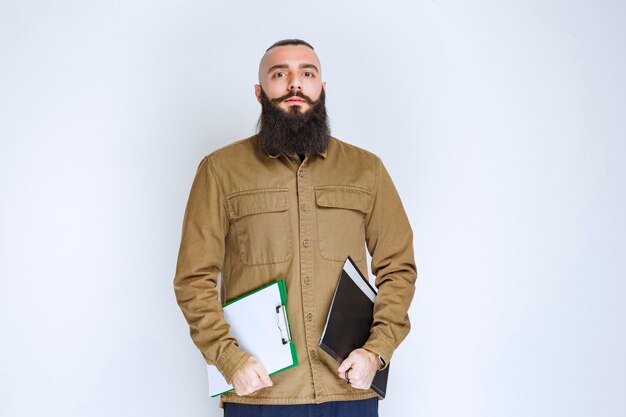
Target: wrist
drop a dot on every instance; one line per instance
(376, 359)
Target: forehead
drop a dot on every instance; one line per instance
(291, 55)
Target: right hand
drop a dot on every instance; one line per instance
(251, 377)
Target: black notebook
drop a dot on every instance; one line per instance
(350, 318)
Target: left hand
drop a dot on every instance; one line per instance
(362, 365)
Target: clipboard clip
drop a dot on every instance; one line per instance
(283, 326)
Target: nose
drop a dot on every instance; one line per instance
(294, 84)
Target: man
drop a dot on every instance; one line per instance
(292, 203)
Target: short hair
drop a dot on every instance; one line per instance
(290, 42)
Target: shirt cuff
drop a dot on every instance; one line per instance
(230, 361)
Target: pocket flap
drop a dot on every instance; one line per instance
(267, 200)
(346, 197)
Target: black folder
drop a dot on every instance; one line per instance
(350, 318)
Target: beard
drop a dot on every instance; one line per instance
(294, 132)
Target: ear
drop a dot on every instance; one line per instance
(257, 92)
(324, 86)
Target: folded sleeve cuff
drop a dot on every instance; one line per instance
(230, 361)
(381, 347)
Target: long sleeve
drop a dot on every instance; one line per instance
(200, 260)
(390, 242)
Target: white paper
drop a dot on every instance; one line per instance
(358, 280)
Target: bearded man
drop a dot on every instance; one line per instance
(292, 203)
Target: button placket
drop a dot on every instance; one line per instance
(306, 271)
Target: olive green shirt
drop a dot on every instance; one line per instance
(256, 219)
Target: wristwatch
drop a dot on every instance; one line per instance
(381, 362)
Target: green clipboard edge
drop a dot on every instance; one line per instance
(282, 289)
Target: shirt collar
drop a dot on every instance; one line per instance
(322, 154)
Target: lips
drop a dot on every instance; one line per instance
(294, 100)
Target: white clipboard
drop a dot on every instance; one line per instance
(260, 323)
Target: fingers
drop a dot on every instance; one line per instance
(357, 378)
(251, 377)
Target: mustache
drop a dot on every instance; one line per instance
(294, 94)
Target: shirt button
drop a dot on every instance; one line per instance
(305, 243)
(309, 316)
(307, 280)
(303, 206)
(301, 173)
(312, 353)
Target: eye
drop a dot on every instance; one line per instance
(309, 74)
(279, 74)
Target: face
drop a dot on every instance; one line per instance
(290, 76)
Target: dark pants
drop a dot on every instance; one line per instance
(358, 408)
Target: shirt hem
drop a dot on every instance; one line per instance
(296, 400)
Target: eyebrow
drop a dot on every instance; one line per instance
(285, 66)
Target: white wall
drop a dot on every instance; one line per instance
(501, 122)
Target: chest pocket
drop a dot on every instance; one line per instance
(341, 214)
(261, 222)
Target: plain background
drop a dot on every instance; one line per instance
(502, 123)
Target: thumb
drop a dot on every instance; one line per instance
(346, 364)
(264, 376)
(266, 380)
